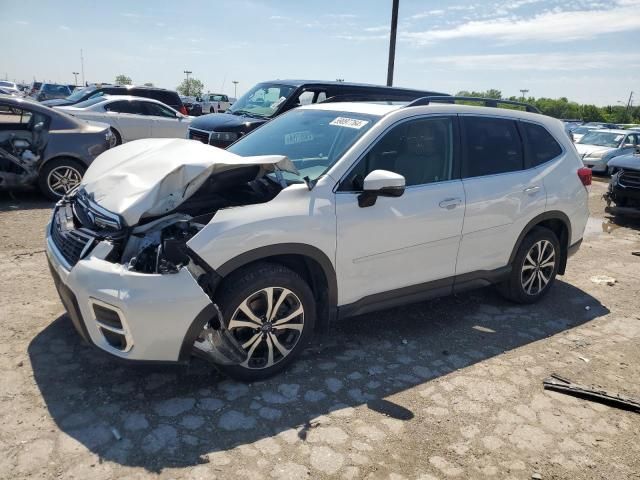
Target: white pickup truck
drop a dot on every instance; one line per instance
(215, 103)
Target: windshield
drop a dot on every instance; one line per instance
(581, 130)
(312, 139)
(78, 94)
(602, 139)
(262, 100)
(88, 103)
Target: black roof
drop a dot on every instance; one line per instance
(300, 83)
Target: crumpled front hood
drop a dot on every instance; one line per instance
(588, 149)
(153, 176)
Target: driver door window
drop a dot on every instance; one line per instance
(422, 151)
(156, 110)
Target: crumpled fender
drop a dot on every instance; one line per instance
(153, 176)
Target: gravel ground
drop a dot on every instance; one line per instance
(440, 389)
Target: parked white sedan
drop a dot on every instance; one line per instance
(132, 118)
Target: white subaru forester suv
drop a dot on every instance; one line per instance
(171, 248)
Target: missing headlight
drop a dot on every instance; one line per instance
(164, 251)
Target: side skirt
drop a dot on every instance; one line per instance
(424, 291)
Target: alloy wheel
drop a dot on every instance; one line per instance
(538, 267)
(268, 324)
(61, 180)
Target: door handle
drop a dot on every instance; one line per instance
(450, 203)
(531, 190)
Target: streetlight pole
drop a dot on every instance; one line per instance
(187, 73)
(524, 91)
(392, 42)
(75, 75)
(235, 88)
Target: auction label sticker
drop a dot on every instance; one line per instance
(349, 122)
(298, 137)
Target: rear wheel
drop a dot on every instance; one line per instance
(534, 268)
(59, 177)
(270, 311)
(116, 139)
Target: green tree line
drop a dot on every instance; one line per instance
(563, 108)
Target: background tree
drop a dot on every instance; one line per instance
(191, 87)
(123, 80)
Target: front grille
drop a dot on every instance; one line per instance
(629, 179)
(72, 244)
(199, 135)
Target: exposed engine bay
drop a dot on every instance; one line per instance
(158, 244)
(18, 162)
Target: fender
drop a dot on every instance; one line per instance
(301, 249)
(550, 215)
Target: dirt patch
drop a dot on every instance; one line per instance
(447, 388)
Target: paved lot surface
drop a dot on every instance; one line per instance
(450, 388)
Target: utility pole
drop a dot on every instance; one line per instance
(187, 73)
(626, 112)
(392, 42)
(75, 75)
(235, 88)
(82, 68)
(524, 92)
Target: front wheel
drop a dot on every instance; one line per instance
(59, 177)
(534, 268)
(270, 311)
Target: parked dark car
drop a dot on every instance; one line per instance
(168, 97)
(270, 99)
(623, 196)
(52, 91)
(43, 147)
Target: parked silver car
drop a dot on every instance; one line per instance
(43, 147)
(597, 147)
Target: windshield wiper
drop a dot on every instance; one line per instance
(247, 113)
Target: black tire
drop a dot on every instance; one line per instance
(47, 177)
(117, 136)
(517, 288)
(247, 285)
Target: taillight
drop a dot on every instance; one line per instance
(585, 176)
(183, 110)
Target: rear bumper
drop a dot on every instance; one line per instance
(150, 318)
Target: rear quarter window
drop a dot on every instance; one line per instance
(540, 144)
(491, 146)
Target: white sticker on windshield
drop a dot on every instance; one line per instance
(349, 122)
(298, 137)
(618, 138)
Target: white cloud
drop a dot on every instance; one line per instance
(279, 17)
(22, 22)
(551, 26)
(363, 38)
(381, 28)
(537, 61)
(64, 27)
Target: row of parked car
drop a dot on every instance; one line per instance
(598, 143)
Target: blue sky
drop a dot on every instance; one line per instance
(586, 50)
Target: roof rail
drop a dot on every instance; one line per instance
(375, 97)
(487, 102)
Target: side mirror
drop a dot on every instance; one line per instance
(380, 183)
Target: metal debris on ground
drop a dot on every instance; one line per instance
(563, 385)
(604, 280)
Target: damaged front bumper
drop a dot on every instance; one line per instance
(139, 316)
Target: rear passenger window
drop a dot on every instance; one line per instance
(541, 146)
(492, 145)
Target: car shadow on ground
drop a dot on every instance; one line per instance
(23, 200)
(175, 416)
